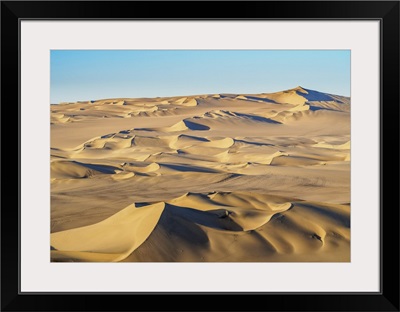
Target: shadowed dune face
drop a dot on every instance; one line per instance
(217, 178)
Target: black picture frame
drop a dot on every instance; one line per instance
(387, 299)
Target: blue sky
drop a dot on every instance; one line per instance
(80, 75)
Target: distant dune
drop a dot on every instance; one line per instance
(215, 178)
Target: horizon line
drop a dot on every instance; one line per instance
(199, 94)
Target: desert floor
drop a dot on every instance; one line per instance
(215, 178)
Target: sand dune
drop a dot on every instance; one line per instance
(141, 167)
(306, 230)
(228, 227)
(334, 146)
(116, 237)
(74, 169)
(219, 178)
(180, 126)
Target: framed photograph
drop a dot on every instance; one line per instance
(212, 153)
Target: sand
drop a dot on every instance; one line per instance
(206, 178)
